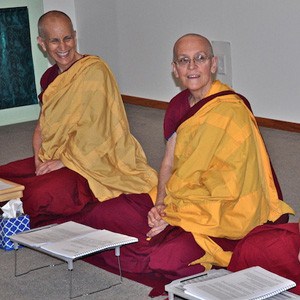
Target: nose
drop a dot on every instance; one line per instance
(62, 45)
(192, 64)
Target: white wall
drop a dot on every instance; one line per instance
(136, 37)
(98, 31)
(67, 6)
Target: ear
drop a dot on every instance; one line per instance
(75, 37)
(41, 43)
(214, 65)
(174, 67)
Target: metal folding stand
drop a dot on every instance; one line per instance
(31, 270)
(70, 269)
(70, 263)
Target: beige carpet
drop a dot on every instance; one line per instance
(146, 125)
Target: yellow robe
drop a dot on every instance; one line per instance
(84, 124)
(222, 183)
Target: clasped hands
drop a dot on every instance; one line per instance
(48, 166)
(155, 220)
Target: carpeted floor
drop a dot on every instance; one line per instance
(146, 126)
(54, 282)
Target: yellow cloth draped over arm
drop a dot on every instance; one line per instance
(84, 124)
(222, 183)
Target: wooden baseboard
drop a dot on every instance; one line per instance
(264, 122)
(145, 102)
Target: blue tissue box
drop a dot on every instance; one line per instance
(10, 226)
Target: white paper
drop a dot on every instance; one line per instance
(71, 239)
(251, 283)
(98, 239)
(53, 233)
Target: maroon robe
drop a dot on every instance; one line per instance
(273, 247)
(169, 254)
(50, 197)
(155, 262)
(164, 258)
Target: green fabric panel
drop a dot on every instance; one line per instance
(17, 82)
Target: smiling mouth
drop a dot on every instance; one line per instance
(193, 76)
(63, 54)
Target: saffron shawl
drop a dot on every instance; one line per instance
(222, 184)
(84, 125)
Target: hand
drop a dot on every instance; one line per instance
(155, 215)
(157, 229)
(155, 220)
(48, 166)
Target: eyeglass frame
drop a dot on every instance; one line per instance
(196, 59)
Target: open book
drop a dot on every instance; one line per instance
(253, 283)
(71, 239)
(10, 190)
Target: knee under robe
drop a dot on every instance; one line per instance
(169, 253)
(273, 247)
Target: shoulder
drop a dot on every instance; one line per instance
(179, 99)
(232, 105)
(96, 67)
(49, 75)
(177, 108)
(231, 114)
(179, 103)
(94, 61)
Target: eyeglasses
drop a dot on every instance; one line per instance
(198, 60)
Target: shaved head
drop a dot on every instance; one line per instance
(57, 38)
(203, 40)
(52, 17)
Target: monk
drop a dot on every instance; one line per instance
(83, 148)
(273, 247)
(215, 183)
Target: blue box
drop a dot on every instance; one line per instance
(10, 226)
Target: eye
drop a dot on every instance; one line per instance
(54, 41)
(68, 38)
(200, 58)
(183, 60)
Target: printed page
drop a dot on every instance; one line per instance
(285, 296)
(52, 233)
(251, 283)
(89, 243)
